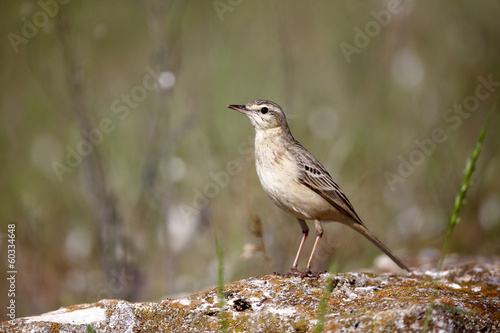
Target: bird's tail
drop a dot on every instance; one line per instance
(372, 238)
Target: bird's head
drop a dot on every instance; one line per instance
(262, 114)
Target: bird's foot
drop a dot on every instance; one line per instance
(307, 273)
(294, 272)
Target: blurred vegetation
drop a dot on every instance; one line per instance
(135, 218)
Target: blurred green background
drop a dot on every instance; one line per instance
(121, 164)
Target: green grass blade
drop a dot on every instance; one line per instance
(459, 202)
(466, 183)
(322, 306)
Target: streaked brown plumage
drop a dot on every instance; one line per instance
(296, 182)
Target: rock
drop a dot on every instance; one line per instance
(466, 300)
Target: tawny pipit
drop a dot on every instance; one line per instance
(296, 182)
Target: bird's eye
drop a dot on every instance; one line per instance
(264, 110)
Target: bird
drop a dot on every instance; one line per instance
(297, 182)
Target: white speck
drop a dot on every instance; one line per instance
(183, 301)
(353, 296)
(476, 289)
(259, 282)
(436, 274)
(455, 286)
(282, 311)
(166, 80)
(365, 289)
(77, 317)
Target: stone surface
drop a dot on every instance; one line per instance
(467, 299)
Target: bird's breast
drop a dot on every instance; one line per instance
(278, 172)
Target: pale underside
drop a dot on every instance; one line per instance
(299, 186)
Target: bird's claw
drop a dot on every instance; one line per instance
(294, 272)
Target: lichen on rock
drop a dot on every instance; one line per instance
(466, 300)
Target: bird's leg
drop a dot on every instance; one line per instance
(305, 232)
(319, 234)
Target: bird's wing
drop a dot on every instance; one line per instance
(313, 175)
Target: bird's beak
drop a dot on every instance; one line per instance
(239, 108)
